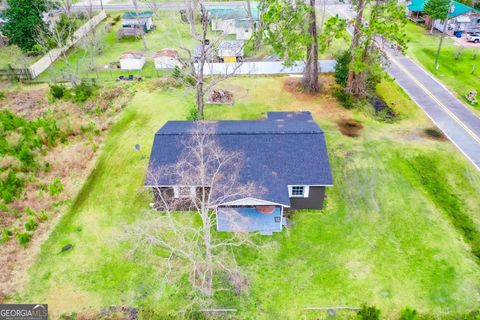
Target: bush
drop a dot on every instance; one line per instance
(57, 91)
(344, 98)
(84, 91)
(176, 73)
(193, 114)
(23, 238)
(368, 313)
(342, 68)
(31, 224)
(408, 314)
(56, 187)
(6, 234)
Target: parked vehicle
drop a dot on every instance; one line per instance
(474, 37)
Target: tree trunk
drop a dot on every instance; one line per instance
(200, 100)
(356, 81)
(310, 75)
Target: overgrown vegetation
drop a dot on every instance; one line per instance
(21, 144)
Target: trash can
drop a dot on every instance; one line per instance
(458, 34)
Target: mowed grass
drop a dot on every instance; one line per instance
(456, 64)
(382, 238)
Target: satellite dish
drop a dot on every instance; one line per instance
(137, 147)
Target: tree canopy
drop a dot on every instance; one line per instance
(24, 19)
(437, 9)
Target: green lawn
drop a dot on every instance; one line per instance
(455, 64)
(383, 238)
(12, 55)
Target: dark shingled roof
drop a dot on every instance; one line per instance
(287, 148)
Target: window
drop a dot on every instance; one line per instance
(184, 192)
(298, 191)
(277, 219)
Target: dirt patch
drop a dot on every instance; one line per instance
(434, 134)
(322, 104)
(349, 127)
(294, 86)
(28, 103)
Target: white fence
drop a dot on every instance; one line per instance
(41, 65)
(264, 67)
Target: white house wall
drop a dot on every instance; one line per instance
(132, 64)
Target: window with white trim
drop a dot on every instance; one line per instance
(298, 191)
(184, 192)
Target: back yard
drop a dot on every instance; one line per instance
(387, 236)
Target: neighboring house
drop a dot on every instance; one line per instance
(142, 20)
(230, 50)
(132, 61)
(198, 50)
(234, 19)
(166, 59)
(462, 18)
(285, 155)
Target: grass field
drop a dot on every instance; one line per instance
(382, 238)
(455, 64)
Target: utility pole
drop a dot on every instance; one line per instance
(449, 10)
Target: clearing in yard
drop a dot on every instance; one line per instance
(385, 238)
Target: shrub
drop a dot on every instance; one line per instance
(42, 216)
(408, 314)
(11, 187)
(31, 224)
(2, 95)
(84, 91)
(368, 313)
(56, 187)
(342, 68)
(344, 98)
(6, 234)
(23, 238)
(193, 114)
(57, 90)
(176, 73)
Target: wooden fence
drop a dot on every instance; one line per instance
(11, 73)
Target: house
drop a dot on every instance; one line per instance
(461, 18)
(142, 20)
(230, 50)
(234, 19)
(166, 59)
(132, 61)
(285, 155)
(197, 52)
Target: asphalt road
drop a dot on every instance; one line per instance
(456, 120)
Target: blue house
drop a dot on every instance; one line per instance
(284, 154)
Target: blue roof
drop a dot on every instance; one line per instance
(287, 148)
(458, 8)
(140, 15)
(233, 11)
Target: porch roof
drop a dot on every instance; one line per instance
(248, 219)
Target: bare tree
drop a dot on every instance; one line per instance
(215, 173)
(197, 60)
(59, 35)
(137, 16)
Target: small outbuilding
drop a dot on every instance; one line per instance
(234, 19)
(166, 59)
(132, 61)
(230, 50)
(142, 20)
